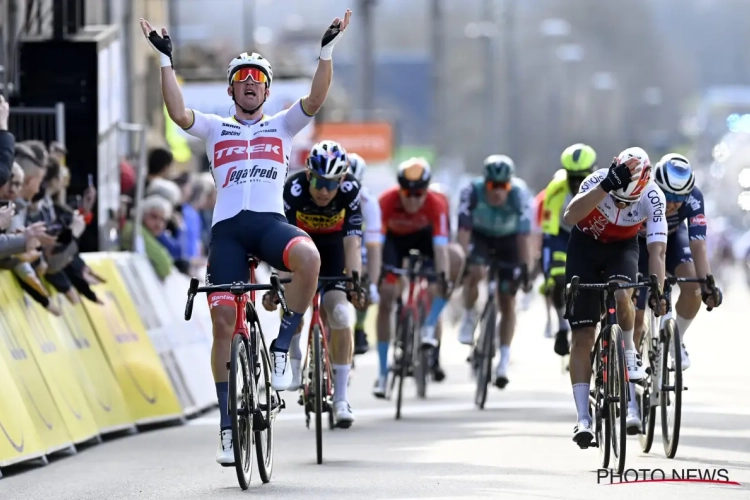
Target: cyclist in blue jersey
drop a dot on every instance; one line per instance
(495, 213)
(686, 257)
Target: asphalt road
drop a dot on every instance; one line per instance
(518, 447)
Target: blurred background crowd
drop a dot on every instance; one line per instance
(453, 81)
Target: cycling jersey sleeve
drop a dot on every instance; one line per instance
(467, 204)
(387, 205)
(696, 217)
(203, 125)
(656, 223)
(523, 200)
(353, 222)
(295, 118)
(592, 181)
(439, 220)
(371, 216)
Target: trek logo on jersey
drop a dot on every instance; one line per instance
(242, 175)
(698, 220)
(260, 148)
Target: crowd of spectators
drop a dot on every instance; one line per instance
(39, 225)
(177, 212)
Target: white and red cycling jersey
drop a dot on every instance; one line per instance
(607, 223)
(249, 162)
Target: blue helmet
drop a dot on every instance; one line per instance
(673, 174)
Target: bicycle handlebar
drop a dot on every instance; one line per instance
(237, 288)
(354, 278)
(670, 281)
(572, 288)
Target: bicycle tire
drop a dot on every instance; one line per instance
(617, 388)
(403, 334)
(318, 398)
(597, 406)
(421, 359)
(327, 371)
(484, 364)
(644, 393)
(241, 410)
(671, 436)
(268, 401)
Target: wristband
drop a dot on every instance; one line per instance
(165, 60)
(326, 53)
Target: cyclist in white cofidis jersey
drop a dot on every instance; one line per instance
(249, 156)
(606, 214)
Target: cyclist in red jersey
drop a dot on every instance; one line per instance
(413, 218)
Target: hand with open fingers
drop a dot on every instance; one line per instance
(162, 44)
(333, 34)
(4, 113)
(270, 301)
(47, 240)
(619, 175)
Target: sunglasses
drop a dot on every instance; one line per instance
(318, 182)
(254, 74)
(412, 193)
(674, 198)
(491, 185)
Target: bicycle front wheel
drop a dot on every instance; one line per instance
(645, 392)
(269, 404)
(242, 403)
(483, 351)
(403, 354)
(617, 395)
(319, 392)
(670, 399)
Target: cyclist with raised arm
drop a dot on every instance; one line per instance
(324, 201)
(413, 218)
(686, 254)
(606, 214)
(249, 157)
(495, 214)
(372, 250)
(578, 161)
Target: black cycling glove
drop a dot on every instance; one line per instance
(163, 47)
(618, 177)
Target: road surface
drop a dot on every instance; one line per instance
(519, 447)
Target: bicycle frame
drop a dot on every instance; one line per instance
(317, 320)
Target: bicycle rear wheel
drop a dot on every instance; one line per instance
(647, 390)
(617, 396)
(269, 404)
(484, 351)
(242, 405)
(671, 388)
(403, 354)
(319, 392)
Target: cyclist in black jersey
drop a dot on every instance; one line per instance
(324, 201)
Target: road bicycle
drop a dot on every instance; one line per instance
(663, 386)
(316, 392)
(253, 404)
(410, 358)
(484, 349)
(608, 400)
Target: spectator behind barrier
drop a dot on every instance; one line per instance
(159, 164)
(156, 212)
(170, 237)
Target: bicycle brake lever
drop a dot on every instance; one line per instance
(192, 290)
(276, 284)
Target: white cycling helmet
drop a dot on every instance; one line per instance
(640, 176)
(673, 174)
(328, 159)
(357, 166)
(253, 60)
